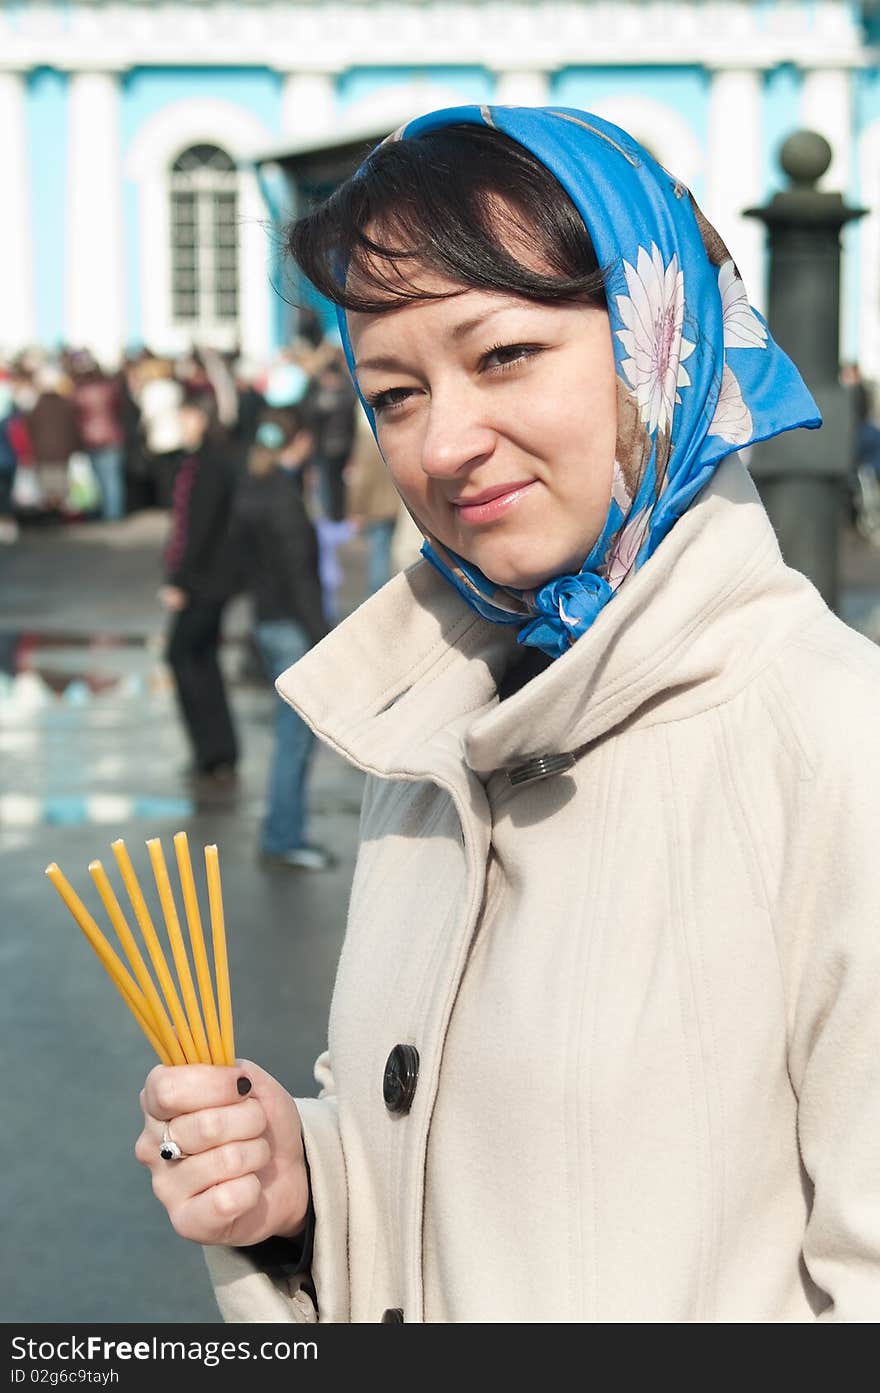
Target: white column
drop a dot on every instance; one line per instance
(521, 88)
(95, 287)
(826, 107)
(308, 105)
(733, 172)
(255, 269)
(18, 316)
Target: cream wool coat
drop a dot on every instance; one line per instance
(645, 993)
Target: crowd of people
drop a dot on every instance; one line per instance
(264, 472)
(79, 439)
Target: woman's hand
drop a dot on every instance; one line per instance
(242, 1177)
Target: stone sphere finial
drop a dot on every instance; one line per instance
(805, 156)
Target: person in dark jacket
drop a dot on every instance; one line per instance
(198, 583)
(54, 434)
(277, 553)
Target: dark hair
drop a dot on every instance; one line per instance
(461, 201)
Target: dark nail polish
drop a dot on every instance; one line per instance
(244, 1085)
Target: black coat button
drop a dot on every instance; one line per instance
(401, 1075)
(393, 1316)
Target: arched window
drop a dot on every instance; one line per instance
(204, 244)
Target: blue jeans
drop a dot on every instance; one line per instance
(107, 464)
(283, 642)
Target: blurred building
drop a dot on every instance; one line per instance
(145, 142)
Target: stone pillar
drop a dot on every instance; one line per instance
(801, 475)
(308, 105)
(95, 287)
(526, 87)
(18, 318)
(733, 171)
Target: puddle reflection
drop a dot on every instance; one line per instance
(96, 663)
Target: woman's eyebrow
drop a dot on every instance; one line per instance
(465, 326)
(384, 363)
(388, 363)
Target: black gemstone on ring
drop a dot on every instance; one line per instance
(166, 1153)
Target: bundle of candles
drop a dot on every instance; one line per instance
(179, 1033)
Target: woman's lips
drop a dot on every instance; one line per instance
(492, 507)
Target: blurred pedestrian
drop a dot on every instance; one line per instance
(140, 485)
(331, 405)
(26, 496)
(249, 379)
(8, 464)
(277, 549)
(199, 580)
(54, 433)
(374, 503)
(98, 403)
(863, 482)
(159, 399)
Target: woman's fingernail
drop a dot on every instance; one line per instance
(244, 1085)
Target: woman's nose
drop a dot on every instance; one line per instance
(456, 435)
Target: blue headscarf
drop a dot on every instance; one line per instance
(698, 374)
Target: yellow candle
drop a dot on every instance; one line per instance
(175, 937)
(121, 979)
(154, 948)
(197, 939)
(221, 965)
(163, 1026)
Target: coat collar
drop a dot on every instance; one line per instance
(407, 685)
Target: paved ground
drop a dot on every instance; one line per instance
(90, 748)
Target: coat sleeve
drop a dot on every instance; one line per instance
(247, 1291)
(831, 961)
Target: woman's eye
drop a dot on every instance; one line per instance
(506, 354)
(386, 401)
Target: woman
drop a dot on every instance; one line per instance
(604, 1035)
(277, 551)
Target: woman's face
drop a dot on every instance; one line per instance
(497, 417)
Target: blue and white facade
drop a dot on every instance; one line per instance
(101, 100)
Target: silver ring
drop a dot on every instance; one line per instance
(169, 1150)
